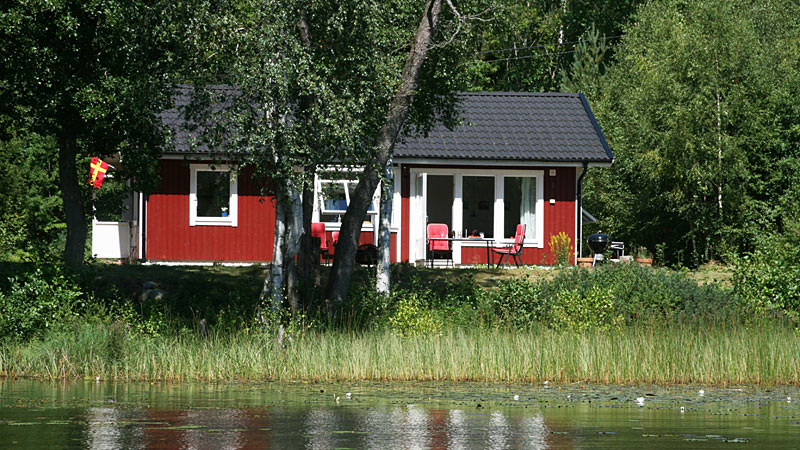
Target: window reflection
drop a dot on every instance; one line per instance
(213, 193)
(478, 205)
(519, 205)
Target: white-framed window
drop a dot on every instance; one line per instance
(332, 189)
(213, 195)
(521, 200)
(489, 202)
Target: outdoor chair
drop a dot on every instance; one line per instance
(514, 250)
(439, 230)
(329, 255)
(318, 231)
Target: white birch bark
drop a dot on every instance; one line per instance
(288, 231)
(719, 146)
(272, 291)
(382, 278)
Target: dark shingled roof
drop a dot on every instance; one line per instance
(515, 126)
(184, 141)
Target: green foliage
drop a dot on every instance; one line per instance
(609, 296)
(517, 302)
(36, 302)
(768, 279)
(411, 315)
(594, 309)
(529, 46)
(588, 64)
(91, 76)
(700, 108)
(31, 217)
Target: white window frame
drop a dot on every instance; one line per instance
(538, 234)
(233, 202)
(537, 241)
(319, 201)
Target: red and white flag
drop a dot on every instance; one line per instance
(98, 171)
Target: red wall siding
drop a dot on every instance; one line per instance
(557, 217)
(170, 238)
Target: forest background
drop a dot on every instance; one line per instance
(697, 100)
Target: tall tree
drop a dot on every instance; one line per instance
(529, 45)
(31, 217)
(397, 114)
(314, 86)
(92, 74)
(701, 111)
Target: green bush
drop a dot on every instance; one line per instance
(590, 310)
(517, 302)
(36, 302)
(768, 279)
(607, 297)
(410, 315)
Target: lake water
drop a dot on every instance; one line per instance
(106, 415)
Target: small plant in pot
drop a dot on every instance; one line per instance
(644, 257)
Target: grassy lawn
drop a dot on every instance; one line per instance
(128, 278)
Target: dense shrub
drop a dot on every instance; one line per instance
(768, 280)
(609, 296)
(585, 310)
(35, 302)
(517, 302)
(411, 316)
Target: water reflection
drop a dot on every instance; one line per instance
(36, 415)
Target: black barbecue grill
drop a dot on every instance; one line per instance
(598, 243)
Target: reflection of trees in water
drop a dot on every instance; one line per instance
(414, 427)
(457, 430)
(534, 432)
(217, 429)
(408, 427)
(380, 428)
(321, 426)
(498, 433)
(221, 429)
(107, 428)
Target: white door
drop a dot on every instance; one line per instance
(419, 217)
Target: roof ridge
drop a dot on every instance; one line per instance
(519, 94)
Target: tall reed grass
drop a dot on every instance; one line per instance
(718, 354)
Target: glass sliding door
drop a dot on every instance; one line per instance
(440, 199)
(478, 198)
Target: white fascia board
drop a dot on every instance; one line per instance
(485, 162)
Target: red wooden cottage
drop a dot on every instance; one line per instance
(518, 158)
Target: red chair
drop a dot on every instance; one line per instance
(329, 255)
(514, 250)
(438, 230)
(318, 231)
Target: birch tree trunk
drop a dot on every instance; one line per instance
(383, 278)
(272, 292)
(294, 233)
(342, 270)
(288, 231)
